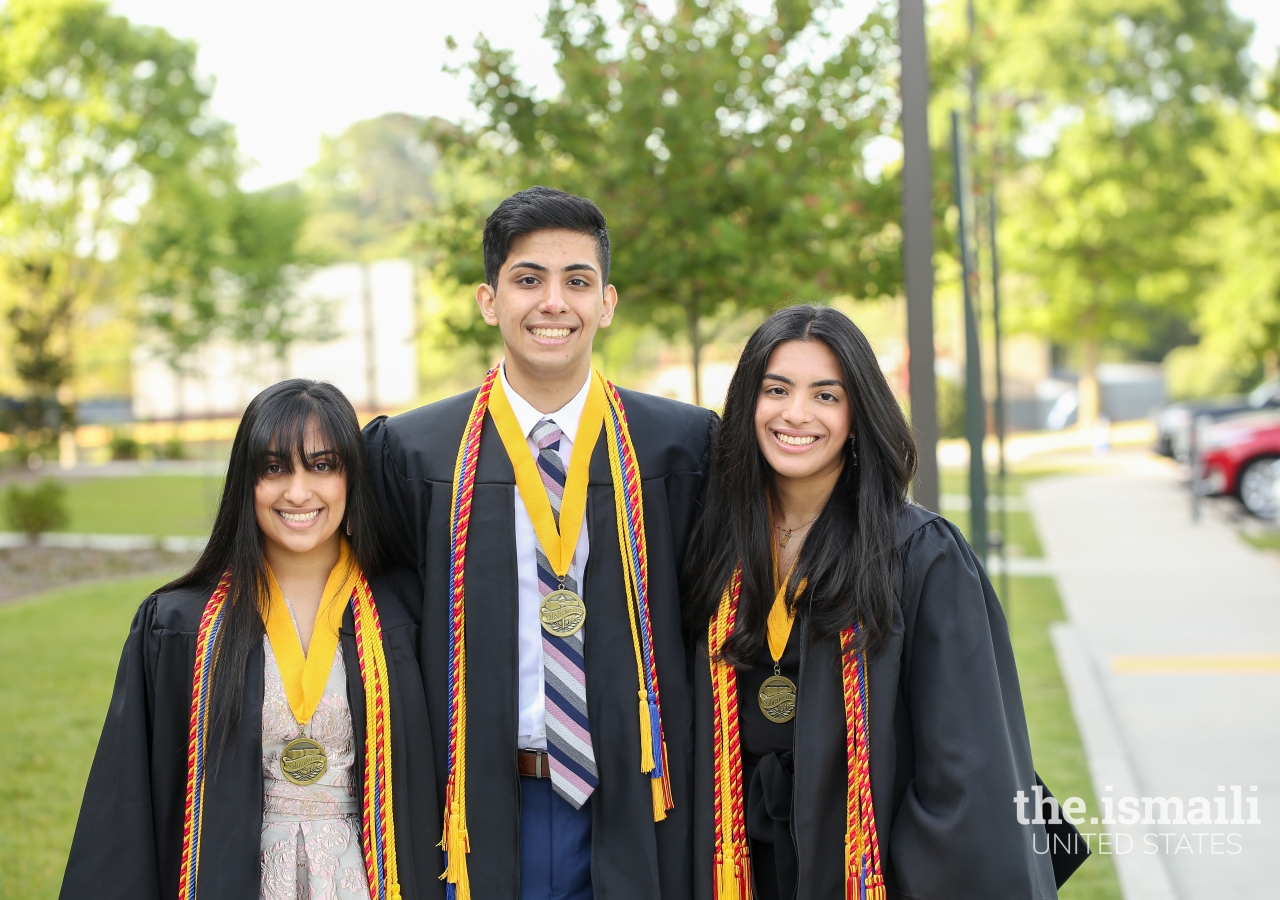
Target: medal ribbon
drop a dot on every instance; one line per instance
(731, 875)
(628, 502)
(378, 834)
(305, 676)
(560, 542)
(780, 618)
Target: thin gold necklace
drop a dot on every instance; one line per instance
(787, 532)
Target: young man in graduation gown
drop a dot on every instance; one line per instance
(565, 771)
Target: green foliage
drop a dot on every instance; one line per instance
(1110, 192)
(94, 114)
(725, 149)
(123, 446)
(951, 405)
(40, 508)
(1239, 314)
(370, 188)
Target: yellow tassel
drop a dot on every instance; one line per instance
(659, 801)
(393, 892)
(877, 893)
(457, 845)
(646, 735)
(727, 876)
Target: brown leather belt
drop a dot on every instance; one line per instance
(533, 763)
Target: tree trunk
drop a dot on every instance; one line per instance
(695, 342)
(1090, 404)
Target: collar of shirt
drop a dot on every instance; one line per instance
(567, 416)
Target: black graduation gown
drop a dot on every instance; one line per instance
(949, 745)
(128, 841)
(412, 459)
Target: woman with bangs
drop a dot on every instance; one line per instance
(268, 733)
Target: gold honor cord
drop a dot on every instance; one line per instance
(304, 760)
(562, 612)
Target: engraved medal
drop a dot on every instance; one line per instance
(778, 699)
(303, 761)
(562, 613)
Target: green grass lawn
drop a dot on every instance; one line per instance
(144, 504)
(1032, 605)
(58, 656)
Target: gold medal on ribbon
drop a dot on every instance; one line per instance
(303, 761)
(562, 613)
(778, 698)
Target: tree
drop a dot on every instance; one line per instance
(1239, 312)
(370, 188)
(264, 269)
(94, 112)
(1106, 109)
(726, 150)
(217, 262)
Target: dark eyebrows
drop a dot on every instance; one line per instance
(581, 267)
(537, 267)
(830, 382)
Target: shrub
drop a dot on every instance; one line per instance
(41, 508)
(123, 446)
(951, 403)
(172, 449)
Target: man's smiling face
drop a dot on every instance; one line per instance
(549, 299)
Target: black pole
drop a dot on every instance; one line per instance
(975, 416)
(917, 227)
(1000, 424)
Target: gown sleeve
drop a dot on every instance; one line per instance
(956, 833)
(400, 537)
(114, 852)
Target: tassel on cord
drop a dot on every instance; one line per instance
(647, 762)
(456, 846)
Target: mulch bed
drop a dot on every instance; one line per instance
(30, 570)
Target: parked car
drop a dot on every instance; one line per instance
(1173, 422)
(1241, 457)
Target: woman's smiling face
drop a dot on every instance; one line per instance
(803, 416)
(300, 510)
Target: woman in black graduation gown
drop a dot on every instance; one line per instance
(286, 778)
(875, 748)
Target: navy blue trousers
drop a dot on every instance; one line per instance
(555, 844)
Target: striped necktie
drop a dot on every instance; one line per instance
(573, 761)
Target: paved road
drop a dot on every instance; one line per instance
(1139, 579)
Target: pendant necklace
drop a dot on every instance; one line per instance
(787, 532)
(777, 696)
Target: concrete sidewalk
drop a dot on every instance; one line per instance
(1176, 639)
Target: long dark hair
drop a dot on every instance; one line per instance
(849, 558)
(274, 429)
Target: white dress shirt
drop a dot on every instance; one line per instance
(532, 729)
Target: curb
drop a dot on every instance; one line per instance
(1142, 876)
(117, 542)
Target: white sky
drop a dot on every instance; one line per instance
(289, 71)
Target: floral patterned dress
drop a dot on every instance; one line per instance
(310, 835)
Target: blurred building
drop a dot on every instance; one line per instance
(373, 360)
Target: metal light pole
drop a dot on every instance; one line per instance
(917, 227)
(975, 416)
(1000, 423)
